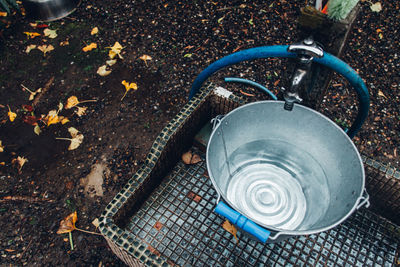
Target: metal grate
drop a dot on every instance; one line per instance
(177, 221)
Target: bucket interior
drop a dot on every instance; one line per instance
(285, 170)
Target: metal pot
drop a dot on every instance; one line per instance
(284, 173)
(49, 10)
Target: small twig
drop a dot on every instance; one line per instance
(123, 95)
(23, 252)
(88, 232)
(25, 198)
(27, 89)
(63, 138)
(44, 90)
(85, 101)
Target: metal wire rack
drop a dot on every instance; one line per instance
(178, 222)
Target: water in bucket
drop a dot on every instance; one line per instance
(276, 183)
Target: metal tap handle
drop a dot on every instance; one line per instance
(307, 48)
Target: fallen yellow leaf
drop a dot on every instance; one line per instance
(3, 14)
(72, 102)
(45, 48)
(21, 161)
(94, 31)
(11, 115)
(37, 130)
(89, 47)
(32, 34)
(1, 147)
(68, 224)
(64, 43)
(81, 111)
(29, 48)
(64, 121)
(115, 50)
(50, 33)
(380, 93)
(53, 118)
(145, 58)
(231, 229)
(111, 62)
(96, 222)
(128, 86)
(76, 139)
(102, 71)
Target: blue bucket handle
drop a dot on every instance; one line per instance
(327, 60)
(242, 222)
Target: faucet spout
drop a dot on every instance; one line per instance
(306, 51)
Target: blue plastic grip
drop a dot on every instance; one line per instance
(327, 60)
(242, 222)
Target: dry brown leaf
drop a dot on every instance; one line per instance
(45, 48)
(68, 224)
(190, 158)
(89, 47)
(3, 14)
(102, 71)
(1, 147)
(50, 33)
(231, 229)
(187, 157)
(380, 93)
(195, 159)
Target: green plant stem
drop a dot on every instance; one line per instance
(70, 241)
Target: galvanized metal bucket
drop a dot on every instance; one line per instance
(49, 10)
(284, 173)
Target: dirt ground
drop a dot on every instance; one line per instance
(181, 38)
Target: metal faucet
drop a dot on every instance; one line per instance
(306, 51)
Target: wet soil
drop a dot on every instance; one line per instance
(182, 38)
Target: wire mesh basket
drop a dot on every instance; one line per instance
(164, 214)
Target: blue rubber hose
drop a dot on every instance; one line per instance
(327, 60)
(252, 83)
